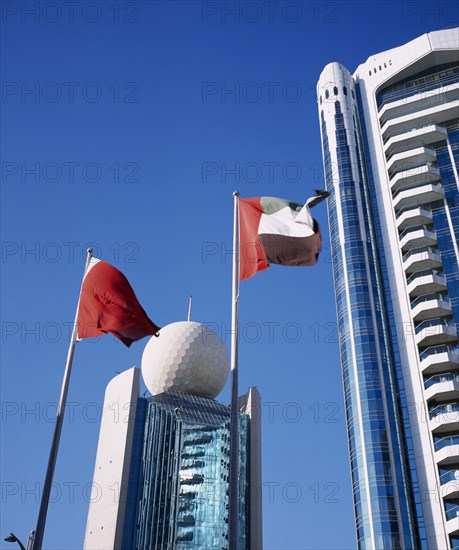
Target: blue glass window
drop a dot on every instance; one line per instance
(184, 474)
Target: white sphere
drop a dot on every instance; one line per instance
(186, 357)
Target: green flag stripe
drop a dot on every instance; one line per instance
(271, 205)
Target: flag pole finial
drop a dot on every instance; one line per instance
(90, 251)
(236, 194)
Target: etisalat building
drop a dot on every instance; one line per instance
(162, 465)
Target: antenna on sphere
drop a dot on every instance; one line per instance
(190, 303)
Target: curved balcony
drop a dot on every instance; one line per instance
(449, 483)
(442, 387)
(452, 520)
(417, 237)
(421, 259)
(444, 418)
(447, 450)
(417, 196)
(402, 160)
(413, 216)
(427, 134)
(426, 282)
(414, 176)
(435, 332)
(438, 359)
(434, 115)
(430, 306)
(419, 102)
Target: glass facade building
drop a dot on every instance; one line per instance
(183, 475)
(390, 141)
(173, 474)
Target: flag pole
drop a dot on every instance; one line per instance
(40, 529)
(233, 527)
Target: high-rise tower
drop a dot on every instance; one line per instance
(162, 465)
(390, 140)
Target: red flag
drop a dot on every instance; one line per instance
(108, 304)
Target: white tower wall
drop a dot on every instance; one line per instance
(111, 473)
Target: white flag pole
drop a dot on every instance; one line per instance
(40, 530)
(233, 527)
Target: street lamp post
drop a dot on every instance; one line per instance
(13, 538)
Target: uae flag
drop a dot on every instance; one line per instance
(108, 304)
(277, 231)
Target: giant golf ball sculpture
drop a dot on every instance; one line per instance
(187, 357)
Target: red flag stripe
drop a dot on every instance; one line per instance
(252, 257)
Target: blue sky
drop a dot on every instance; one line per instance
(127, 126)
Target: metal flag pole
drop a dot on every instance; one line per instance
(40, 530)
(233, 527)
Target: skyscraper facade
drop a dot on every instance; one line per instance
(161, 478)
(390, 141)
